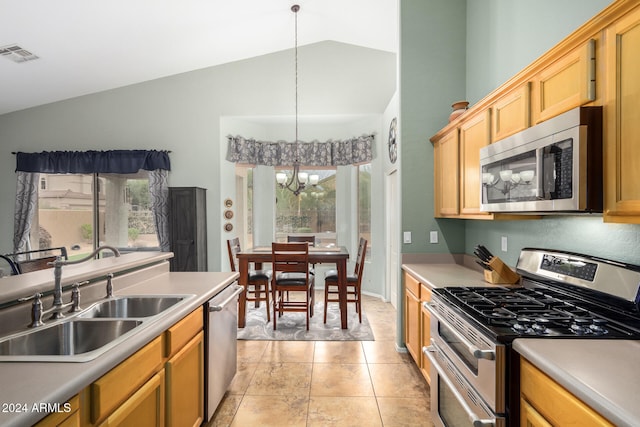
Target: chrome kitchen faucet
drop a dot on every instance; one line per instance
(58, 305)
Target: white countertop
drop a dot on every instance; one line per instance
(445, 275)
(603, 374)
(37, 382)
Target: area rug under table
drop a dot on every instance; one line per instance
(292, 325)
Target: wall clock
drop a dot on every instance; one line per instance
(393, 142)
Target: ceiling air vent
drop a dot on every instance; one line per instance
(16, 53)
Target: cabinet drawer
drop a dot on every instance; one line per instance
(115, 387)
(425, 293)
(412, 284)
(181, 333)
(553, 402)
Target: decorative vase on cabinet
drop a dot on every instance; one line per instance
(188, 228)
(459, 107)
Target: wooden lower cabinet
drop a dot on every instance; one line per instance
(145, 408)
(425, 335)
(417, 322)
(67, 416)
(412, 317)
(543, 402)
(115, 387)
(185, 384)
(160, 384)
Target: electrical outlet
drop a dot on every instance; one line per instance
(504, 243)
(407, 237)
(433, 237)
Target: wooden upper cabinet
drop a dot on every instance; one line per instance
(511, 113)
(445, 152)
(475, 133)
(566, 83)
(622, 120)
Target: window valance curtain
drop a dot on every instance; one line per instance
(330, 153)
(111, 161)
(30, 165)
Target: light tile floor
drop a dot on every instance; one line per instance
(328, 383)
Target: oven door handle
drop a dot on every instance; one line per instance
(476, 422)
(477, 353)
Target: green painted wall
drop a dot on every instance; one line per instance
(491, 40)
(432, 76)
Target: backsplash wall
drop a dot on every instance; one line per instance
(583, 234)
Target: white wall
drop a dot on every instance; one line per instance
(182, 113)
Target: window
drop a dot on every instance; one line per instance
(71, 214)
(312, 212)
(364, 205)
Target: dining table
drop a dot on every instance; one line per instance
(258, 255)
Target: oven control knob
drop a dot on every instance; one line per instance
(540, 326)
(523, 325)
(598, 326)
(580, 326)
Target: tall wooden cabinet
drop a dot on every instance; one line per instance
(188, 228)
(475, 133)
(622, 120)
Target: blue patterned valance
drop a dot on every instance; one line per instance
(331, 153)
(110, 161)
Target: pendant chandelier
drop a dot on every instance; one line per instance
(298, 180)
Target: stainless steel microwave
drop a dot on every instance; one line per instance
(554, 166)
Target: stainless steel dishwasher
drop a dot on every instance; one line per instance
(220, 344)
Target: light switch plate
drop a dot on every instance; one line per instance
(406, 237)
(504, 243)
(433, 237)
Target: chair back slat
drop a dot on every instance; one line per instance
(37, 259)
(233, 247)
(290, 257)
(362, 251)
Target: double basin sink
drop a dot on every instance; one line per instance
(85, 335)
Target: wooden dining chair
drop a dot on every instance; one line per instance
(7, 267)
(290, 263)
(37, 259)
(297, 239)
(258, 281)
(311, 240)
(354, 283)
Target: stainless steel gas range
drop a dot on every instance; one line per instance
(474, 379)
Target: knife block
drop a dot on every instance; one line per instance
(500, 273)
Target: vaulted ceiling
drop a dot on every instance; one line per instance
(86, 46)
